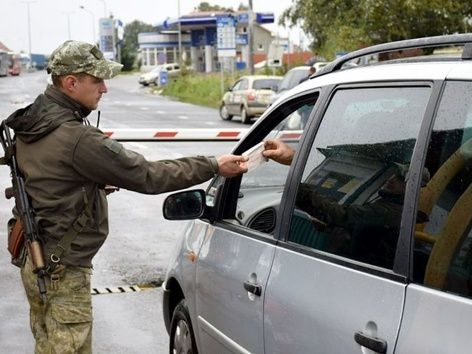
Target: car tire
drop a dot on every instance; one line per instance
(182, 338)
(224, 112)
(245, 119)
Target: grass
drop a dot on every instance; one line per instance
(203, 89)
(197, 88)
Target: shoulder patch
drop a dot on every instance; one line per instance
(113, 145)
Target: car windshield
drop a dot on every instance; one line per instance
(267, 84)
(292, 79)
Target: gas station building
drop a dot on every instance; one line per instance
(199, 44)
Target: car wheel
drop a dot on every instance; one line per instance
(182, 338)
(245, 119)
(224, 112)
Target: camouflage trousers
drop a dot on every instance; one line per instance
(63, 324)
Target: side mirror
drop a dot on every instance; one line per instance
(184, 205)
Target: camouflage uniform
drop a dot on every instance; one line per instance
(66, 165)
(64, 323)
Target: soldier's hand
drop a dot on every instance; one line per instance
(231, 165)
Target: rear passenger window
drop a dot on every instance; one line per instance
(443, 243)
(350, 198)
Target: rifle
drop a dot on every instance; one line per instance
(24, 209)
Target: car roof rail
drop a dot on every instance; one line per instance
(425, 42)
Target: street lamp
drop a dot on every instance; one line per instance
(29, 25)
(68, 13)
(93, 22)
(179, 34)
(105, 13)
(251, 39)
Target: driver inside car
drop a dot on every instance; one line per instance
(367, 232)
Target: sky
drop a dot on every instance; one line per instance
(55, 21)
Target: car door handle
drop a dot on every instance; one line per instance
(373, 343)
(253, 288)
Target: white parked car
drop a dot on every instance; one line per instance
(152, 77)
(363, 244)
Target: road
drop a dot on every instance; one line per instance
(140, 241)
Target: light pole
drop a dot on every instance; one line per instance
(68, 24)
(250, 61)
(179, 34)
(105, 13)
(29, 25)
(93, 22)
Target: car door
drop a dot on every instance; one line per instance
(438, 306)
(336, 284)
(236, 256)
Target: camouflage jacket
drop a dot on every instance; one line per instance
(65, 161)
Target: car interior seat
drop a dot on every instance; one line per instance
(432, 191)
(446, 242)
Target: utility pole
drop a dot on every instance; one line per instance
(250, 61)
(93, 21)
(105, 10)
(29, 25)
(179, 35)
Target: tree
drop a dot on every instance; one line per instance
(130, 45)
(345, 25)
(206, 7)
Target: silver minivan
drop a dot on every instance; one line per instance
(363, 244)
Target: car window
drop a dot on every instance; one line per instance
(261, 189)
(237, 85)
(350, 198)
(265, 84)
(443, 243)
(292, 78)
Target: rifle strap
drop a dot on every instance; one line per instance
(77, 226)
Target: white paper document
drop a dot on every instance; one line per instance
(255, 156)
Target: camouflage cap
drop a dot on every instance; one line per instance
(73, 57)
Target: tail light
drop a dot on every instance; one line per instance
(251, 96)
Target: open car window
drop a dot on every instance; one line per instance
(260, 190)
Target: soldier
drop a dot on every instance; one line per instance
(67, 164)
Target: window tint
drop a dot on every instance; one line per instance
(350, 199)
(443, 244)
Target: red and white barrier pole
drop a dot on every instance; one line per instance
(187, 134)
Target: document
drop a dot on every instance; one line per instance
(256, 158)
